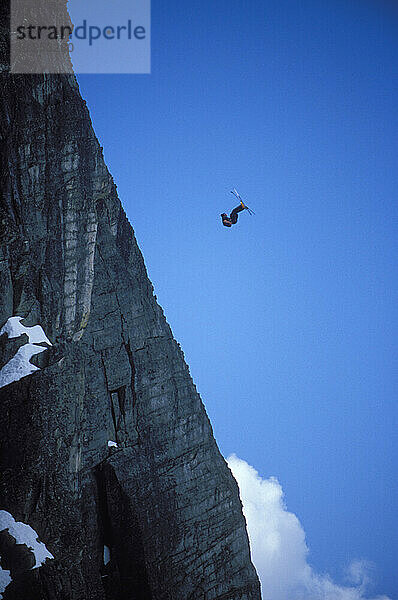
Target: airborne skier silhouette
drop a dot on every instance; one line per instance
(233, 217)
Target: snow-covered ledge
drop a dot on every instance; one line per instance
(23, 534)
(20, 366)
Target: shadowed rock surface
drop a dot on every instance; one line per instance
(163, 501)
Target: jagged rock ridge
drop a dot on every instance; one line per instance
(163, 500)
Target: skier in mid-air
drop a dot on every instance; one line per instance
(230, 220)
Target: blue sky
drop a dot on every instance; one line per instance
(288, 320)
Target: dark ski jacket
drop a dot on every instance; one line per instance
(226, 221)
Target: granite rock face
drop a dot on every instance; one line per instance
(163, 501)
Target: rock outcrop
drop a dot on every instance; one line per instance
(161, 499)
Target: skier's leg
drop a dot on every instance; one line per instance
(234, 214)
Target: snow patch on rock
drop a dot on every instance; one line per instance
(107, 555)
(20, 366)
(14, 329)
(23, 534)
(5, 579)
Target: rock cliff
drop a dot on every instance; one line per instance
(155, 514)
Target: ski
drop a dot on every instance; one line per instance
(236, 193)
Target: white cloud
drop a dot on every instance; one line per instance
(279, 549)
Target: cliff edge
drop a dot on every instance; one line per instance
(106, 451)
